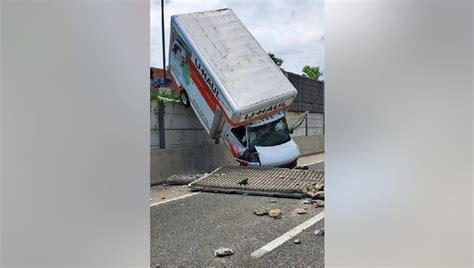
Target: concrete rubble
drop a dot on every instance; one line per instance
(275, 213)
(222, 252)
(182, 179)
(318, 203)
(260, 211)
(319, 232)
(315, 190)
(301, 211)
(319, 195)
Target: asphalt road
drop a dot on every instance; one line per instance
(317, 166)
(187, 231)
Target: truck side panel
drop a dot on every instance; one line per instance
(186, 74)
(243, 78)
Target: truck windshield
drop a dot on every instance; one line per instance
(270, 134)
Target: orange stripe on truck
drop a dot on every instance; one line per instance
(202, 86)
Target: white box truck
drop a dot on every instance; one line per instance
(235, 89)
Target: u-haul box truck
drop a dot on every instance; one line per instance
(235, 89)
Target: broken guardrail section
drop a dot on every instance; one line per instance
(280, 182)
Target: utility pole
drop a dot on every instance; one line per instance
(161, 104)
(163, 38)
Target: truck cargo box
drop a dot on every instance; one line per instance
(232, 72)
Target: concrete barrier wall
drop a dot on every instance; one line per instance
(207, 157)
(182, 128)
(310, 144)
(188, 160)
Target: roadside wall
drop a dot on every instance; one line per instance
(182, 128)
(187, 160)
(310, 94)
(207, 157)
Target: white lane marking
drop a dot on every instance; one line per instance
(312, 163)
(173, 199)
(287, 236)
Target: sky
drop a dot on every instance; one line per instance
(292, 30)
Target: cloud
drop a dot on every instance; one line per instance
(293, 31)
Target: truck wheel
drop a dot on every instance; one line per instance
(184, 98)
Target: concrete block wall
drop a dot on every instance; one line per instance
(182, 128)
(310, 94)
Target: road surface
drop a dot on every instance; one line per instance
(187, 227)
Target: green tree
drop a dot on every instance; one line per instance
(277, 61)
(312, 72)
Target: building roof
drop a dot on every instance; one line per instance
(158, 74)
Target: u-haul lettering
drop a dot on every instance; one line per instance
(266, 110)
(207, 78)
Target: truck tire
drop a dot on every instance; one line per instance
(183, 96)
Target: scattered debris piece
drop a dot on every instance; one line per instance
(222, 252)
(182, 179)
(319, 195)
(163, 197)
(273, 201)
(244, 182)
(301, 211)
(319, 232)
(318, 203)
(275, 213)
(312, 189)
(302, 167)
(260, 211)
(297, 241)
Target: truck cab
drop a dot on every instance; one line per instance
(264, 143)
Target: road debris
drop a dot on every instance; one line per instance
(260, 211)
(301, 211)
(318, 203)
(319, 232)
(244, 182)
(302, 167)
(319, 195)
(222, 252)
(182, 179)
(297, 241)
(312, 189)
(273, 201)
(273, 182)
(275, 213)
